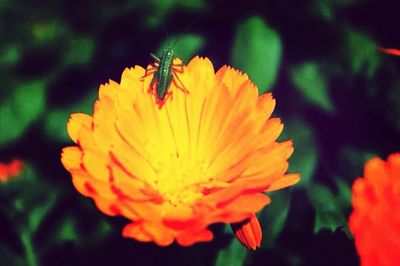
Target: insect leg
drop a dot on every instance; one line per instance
(150, 71)
(168, 95)
(179, 86)
(153, 86)
(179, 69)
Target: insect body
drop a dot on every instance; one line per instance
(164, 71)
(163, 74)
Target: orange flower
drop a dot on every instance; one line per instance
(375, 221)
(203, 157)
(11, 169)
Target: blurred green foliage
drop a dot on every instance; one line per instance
(362, 52)
(80, 51)
(257, 51)
(9, 56)
(233, 255)
(26, 209)
(304, 160)
(20, 109)
(309, 80)
(337, 96)
(274, 217)
(329, 213)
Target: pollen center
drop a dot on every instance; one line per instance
(179, 180)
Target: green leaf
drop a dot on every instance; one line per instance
(68, 230)
(305, 156)
(40, 211)
(329, 213)
(9, 55)
(344, 199)
(362, 53)
(311, 82)
(324, 8)
(185, 46)
(103, 229)
(49, 31)
(20, 110)
(56, 125)
(56, 121)
(273, 217)
(257, 51)
(233, 255)
(80, 51)
(344, 193)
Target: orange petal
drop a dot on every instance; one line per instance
(136, 230)
(285, 181)
(71, 158)
(162, 237)
(178, 217)
(266, 105)
(76, 122)
(190, 237)
(252, 202)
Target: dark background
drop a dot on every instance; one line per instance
(337, 95)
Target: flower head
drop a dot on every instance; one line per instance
(11, 169)
(205, 156)
(375, 221)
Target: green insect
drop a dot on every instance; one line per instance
(164, 71)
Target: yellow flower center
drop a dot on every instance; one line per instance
(179, 178)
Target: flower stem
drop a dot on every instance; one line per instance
(26, 239)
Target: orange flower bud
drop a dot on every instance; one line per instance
(248, 232)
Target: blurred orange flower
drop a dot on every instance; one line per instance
(203, 157)
(13, 168)
(392, 51)
(375, 221)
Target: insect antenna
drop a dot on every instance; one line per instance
(199, 16)
(165, 32)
